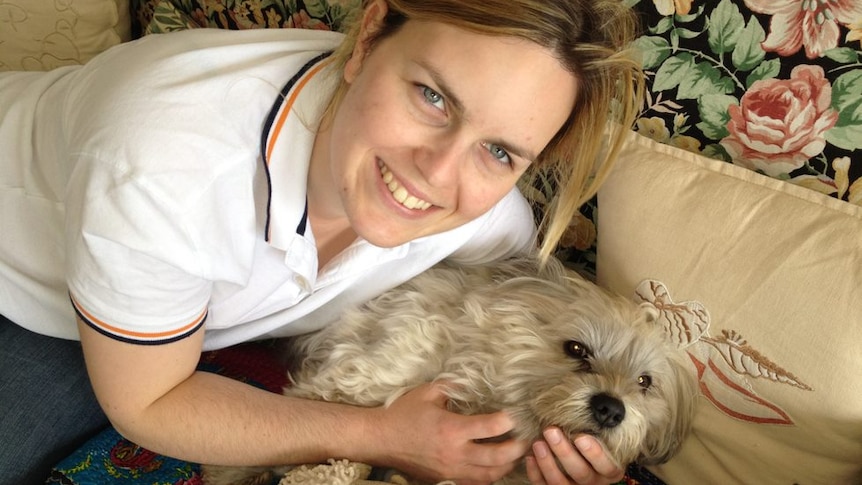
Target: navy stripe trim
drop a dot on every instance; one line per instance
(138, 342)
(270, 119)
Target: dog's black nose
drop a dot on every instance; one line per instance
(608, 411)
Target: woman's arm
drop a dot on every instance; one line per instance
(154, 396)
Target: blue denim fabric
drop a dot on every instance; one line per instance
(47, 406)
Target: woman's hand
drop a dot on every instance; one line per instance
(583, 462)
(433, 444)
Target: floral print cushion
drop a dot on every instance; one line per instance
(771, 85)
(156, 16)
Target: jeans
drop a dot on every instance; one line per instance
(47, 406)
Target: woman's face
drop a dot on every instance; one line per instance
(436, 127)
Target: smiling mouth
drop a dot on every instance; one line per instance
(399, 193)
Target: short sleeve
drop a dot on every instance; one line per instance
(134, 297)
(133, 270)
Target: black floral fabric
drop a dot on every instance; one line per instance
(774, 86)
(157, 16)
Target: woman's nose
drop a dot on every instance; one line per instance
(440, 161)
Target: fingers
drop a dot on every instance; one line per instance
(546, 470)
(534, 473)
(472, 462)
(601, 461)
(489, 462)
(442, 444)
(479, 430)
(485, 426)
(496, 454)
(584, 463)
(478, 433)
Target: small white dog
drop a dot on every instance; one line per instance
(544, 344)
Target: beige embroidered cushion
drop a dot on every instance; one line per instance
(761, 283)
(38, 35)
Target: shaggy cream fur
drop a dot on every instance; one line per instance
(543, 343)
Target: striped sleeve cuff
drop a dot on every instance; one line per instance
(138, 337)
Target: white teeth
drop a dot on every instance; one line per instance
(400, 193)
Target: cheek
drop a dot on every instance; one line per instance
(482, 185)
(478, 197)
(354, 131)
(371, 109)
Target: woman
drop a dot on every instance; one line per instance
(180, 211)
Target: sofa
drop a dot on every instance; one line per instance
(735, 207)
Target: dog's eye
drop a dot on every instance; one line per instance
(576, 349)
(645, 381)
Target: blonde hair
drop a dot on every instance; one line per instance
(591, 39)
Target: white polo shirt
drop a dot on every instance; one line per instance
(162, 187)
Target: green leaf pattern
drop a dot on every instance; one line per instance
(790, 117)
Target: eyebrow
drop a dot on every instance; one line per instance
(458, 106)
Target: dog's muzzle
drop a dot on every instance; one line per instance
(607, 410)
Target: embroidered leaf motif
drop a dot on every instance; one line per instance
(684, 322)
(735, 400)
(746, 360)
(722, 363)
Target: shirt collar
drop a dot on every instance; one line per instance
(286, 144)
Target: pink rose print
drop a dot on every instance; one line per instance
(780, 123)
(809, 23)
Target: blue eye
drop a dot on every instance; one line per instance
(498, 153)
(433, 97)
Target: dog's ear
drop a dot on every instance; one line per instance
(664, 439)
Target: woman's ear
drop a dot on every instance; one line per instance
(372, 20)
